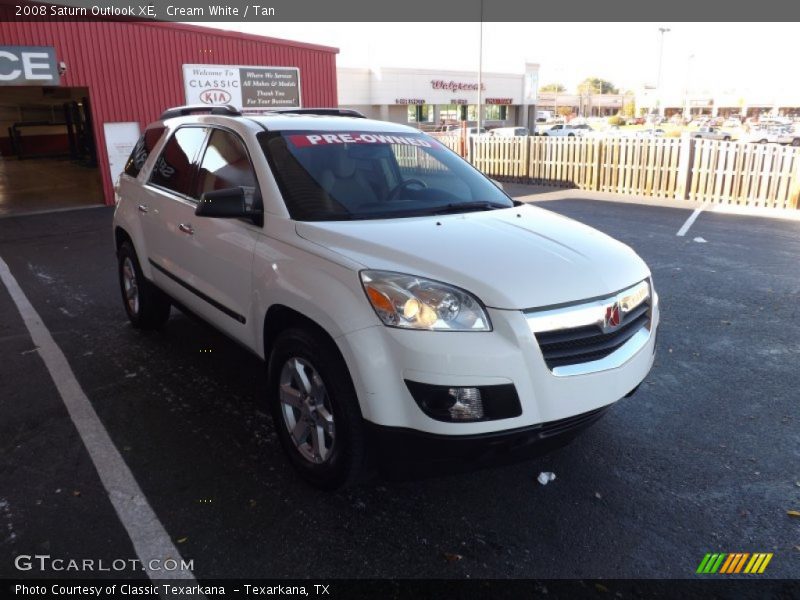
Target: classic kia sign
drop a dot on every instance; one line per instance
(28, 65)
(244, 87)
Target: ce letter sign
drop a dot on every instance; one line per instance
(28, 65)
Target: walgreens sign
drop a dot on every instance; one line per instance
(455, 86)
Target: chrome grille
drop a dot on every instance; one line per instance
(583, 338)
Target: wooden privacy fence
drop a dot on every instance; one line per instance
(761, 175)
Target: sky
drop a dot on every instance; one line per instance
(743, 59)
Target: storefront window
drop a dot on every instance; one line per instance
(449, 112)
(495, 112)
(420, 113)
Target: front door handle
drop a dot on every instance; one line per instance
(143, 208)
(186, 228)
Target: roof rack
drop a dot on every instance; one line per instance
(328, 112)
(190, 109)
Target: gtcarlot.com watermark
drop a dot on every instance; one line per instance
(47, 563)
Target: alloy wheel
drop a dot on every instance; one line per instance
(306, 410)
(130, 286)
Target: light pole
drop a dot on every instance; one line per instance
(555, 101)
(687, 109)
(662, 31)
(480, 72)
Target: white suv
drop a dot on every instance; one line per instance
(405, 306)
(567, 131)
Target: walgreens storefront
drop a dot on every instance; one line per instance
(431, 99)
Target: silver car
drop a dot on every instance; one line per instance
(713, 133)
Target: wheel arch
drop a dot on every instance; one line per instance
(280, 317)
(120, 237)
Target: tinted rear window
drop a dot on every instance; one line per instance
(174, 169)
(142, 150)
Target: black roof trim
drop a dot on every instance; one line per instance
(190, 109)
(327, 112)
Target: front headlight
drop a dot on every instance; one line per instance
(416, 303)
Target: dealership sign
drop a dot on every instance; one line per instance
(28, 65)
(242, 86)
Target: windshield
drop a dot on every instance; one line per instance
(326, 176)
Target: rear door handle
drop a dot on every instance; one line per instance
(143, 208)
(186, 228)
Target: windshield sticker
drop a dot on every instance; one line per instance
(322, 139)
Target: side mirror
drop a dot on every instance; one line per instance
(231, 203)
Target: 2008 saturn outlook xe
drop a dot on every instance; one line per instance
(406, 308)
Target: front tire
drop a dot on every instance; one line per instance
(146, 306)
(315, 409)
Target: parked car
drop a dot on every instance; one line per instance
(565, 130)
(615, 131)
(789, 136)
(650, 133)
(765, 135)
(405, 306)
(476, 131)
(451, 129)
(510, 132)
(712, 133)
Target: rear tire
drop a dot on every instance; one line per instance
(315, 409)
(147, 307)
(796, 142)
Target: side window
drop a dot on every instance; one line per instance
(174, 168)
(142, 150)
(225, 165)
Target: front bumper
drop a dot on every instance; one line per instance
(407, 452)
(382, 358)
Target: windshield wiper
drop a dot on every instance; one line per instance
(396, 214)
(464, 207)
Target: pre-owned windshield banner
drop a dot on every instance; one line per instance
(354, 137)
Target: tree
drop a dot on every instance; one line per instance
(553, 87)
(595, 85)
(565, 111)
(629, 105)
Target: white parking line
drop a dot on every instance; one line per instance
(150, 539)
(690, 221)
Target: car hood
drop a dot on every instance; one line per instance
(515, 258)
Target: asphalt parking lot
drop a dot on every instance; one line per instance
(704, 458)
